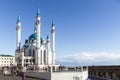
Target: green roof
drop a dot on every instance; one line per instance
(6, 55)
(18, 19)
(38, 12)
(52, 23)
(33, 36)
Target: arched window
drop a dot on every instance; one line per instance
(29, 52)
(44, 56)
(33, 53)
(41, 56)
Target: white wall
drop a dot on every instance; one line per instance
(58, 75)
(68, 75)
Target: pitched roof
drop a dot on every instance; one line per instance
(6, 55)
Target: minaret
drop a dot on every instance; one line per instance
(53, 43)
(38, 37)
(48, 43)
(48, 50)
(18, 36)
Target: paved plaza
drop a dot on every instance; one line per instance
(9, 77)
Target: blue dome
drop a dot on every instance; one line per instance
(33, 36)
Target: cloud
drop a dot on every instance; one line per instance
(88, 58)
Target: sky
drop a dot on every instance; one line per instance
(87, 31)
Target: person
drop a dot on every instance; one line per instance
(12, 71)
(23, 76)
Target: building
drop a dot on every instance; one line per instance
(41, 53)
(6, 60)
(107, 72)
(35, 51)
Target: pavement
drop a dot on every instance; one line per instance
(11, 77)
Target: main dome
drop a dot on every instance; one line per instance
(33, 36)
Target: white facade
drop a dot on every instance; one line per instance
(69, 75)
(35, 51)
(64, 75)
(6, 60)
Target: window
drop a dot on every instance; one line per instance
(33, 53)
(29, 52)
(33, 60)
(44, 56)
(26, 60)
(41, 56)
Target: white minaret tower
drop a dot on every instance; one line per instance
(38, 60)
(53, 43)
(18, 36)
(48, 50)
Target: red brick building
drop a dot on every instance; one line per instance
(109, 72)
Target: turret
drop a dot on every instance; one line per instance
(48, 42)
(18, 36)
(53, 42)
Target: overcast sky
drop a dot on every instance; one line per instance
(87, 31)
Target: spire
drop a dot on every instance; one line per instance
(18, 19)
(38, 12)
(52, 23)
(53, 27)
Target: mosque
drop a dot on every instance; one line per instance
(41, 53)
(35, 50)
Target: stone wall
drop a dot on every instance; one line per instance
(108, 72)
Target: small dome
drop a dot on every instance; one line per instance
(26, 46)
(33, 36)
(26, 41)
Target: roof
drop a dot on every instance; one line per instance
(26, 46)
(33, 36)
(52, 23)
(38, 12)
(18, 19)
(6, 55)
